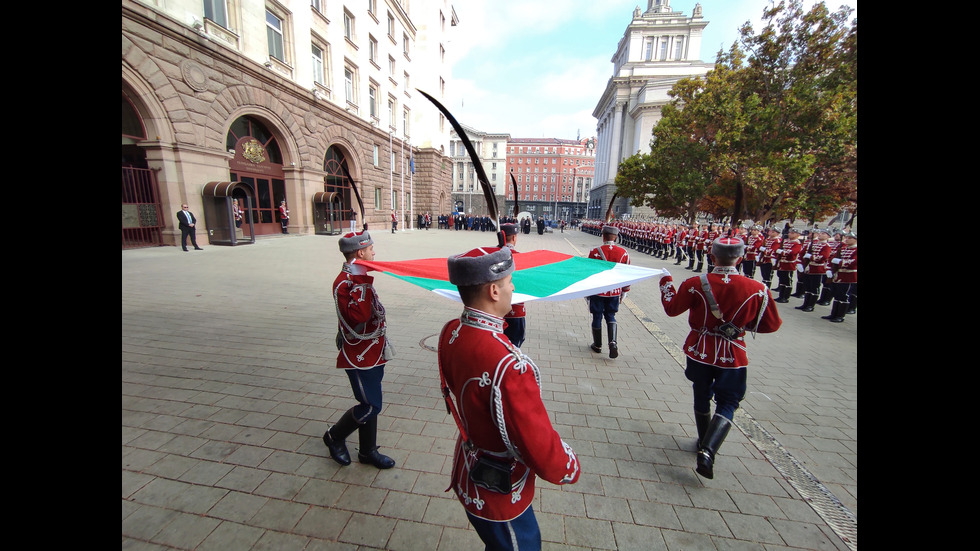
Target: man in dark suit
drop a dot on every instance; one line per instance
(186, 223)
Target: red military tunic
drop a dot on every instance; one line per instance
(612, 252)
(744, 302)
(846, 270)
(819, 255)
(789, 256)
(497, 392)
(752, 245)
(768, 249)
(361, 318)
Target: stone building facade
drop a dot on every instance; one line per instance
(659, 47)
(208, 123)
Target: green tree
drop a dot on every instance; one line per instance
(769, 133)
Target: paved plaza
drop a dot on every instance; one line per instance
(228, 383)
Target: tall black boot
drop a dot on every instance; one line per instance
(701, 420)
(596, 345)
(826, 294)
(799, 289)
(713, 438)
(809, 299)
(335, 437)
(613, 345)
(368, 452)
(836, 312)
(852, 305)
(700, 265)
(783, 294)
(690, 263)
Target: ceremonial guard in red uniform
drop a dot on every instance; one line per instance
(605, 305)
(691, 245)
(786, 260)
(284, 216)
(753, 242)
(702, 237)
(516, 320)
(493, 391)
(805, 241)
(364, 350)
(844, 267)
(816, 256)
(827, 284)
(768, 255)
(681, 244)
(713, 233)
(723, 305)
(394, 222)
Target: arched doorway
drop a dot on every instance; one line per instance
(258, 165)
(142, 216)
(337, 184)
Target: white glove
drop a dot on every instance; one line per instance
(779, 251)
(835, 261)
(666, 273)
(357, 269)
(807, 255)
(761, 249)
(799, 268)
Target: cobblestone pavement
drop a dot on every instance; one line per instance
(228, 385)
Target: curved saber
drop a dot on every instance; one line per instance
(609, 211)
(516, 189)
(357, 195)
(477, 165)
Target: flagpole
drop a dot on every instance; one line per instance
(411, 181)
(402, 202)
(391, 173)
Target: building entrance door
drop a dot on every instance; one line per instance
(258, 164)
(268, 192)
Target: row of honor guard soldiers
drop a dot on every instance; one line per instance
(823, 261)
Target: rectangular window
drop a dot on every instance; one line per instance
(349, 84)
(373, 49)
(391, 67)
(216, 11)
(373, 101)
(274, 33)
(348, 26)
(649, 50)
(405, 44)
(373, 7)
(679, 48)
(377, 159)
(316, 5)
(391, 26)
(317, 65)
(391, 113)
(377, 196)
(663, 48)
(406, 116)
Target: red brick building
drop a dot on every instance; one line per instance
(553, 176)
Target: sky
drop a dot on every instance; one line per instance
(537, 68)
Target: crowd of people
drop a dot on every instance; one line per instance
(822, 261)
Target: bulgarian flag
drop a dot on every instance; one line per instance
(538, 275)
